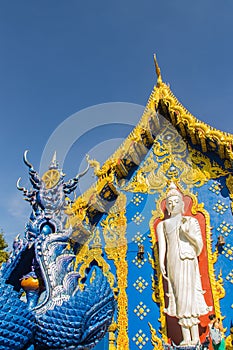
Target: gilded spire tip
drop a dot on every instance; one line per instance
(158, 72)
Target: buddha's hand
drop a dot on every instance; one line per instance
(185, 225)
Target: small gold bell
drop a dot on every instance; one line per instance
(221, 241)
(141, 251)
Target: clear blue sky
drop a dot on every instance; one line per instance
(58, 57)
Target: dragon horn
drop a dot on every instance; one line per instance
(71, 185)
(77, 177)
(19, 187)
(26, 161)
(34, 176)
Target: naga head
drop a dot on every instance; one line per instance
(43, 274)
(48, 197)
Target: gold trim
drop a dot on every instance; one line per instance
(229, 183)
(155, 340)
(173, 160)
(112, 336)
(219, 286)
(89, 253)
(199, 131)
(114, 231)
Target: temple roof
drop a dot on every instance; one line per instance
(196, 132)
(129, 155)
(190, 128)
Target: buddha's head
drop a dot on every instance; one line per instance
(174, 200)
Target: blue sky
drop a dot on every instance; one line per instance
(59, 57)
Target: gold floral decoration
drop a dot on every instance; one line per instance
(219, 286)
(92, 251)
(114, 231)
(174, 159)
(229, 183)
(155, 340)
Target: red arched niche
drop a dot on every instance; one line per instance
(173, 329)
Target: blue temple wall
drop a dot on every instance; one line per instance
(143, 311)
(139, 209)
(218, 206)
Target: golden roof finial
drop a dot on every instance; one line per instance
(158, 72)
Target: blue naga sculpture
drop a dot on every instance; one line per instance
(41, 303)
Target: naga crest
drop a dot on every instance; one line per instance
(39, 285)
(47, 198)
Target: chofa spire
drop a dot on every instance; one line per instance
(158, 72)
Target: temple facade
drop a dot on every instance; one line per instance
(117, 222)
(143, 260)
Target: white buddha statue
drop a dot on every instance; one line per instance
(180, 243)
